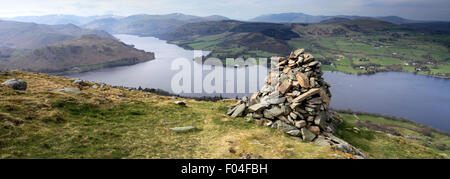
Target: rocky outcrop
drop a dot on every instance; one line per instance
(79, 82)
(295, 99)
(16, 84)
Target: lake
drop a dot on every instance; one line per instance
(420, 98)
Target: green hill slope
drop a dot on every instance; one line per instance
(75, 55)
(21, 35)
(107, 122)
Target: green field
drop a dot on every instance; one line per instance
(409, 52)
(414, 53)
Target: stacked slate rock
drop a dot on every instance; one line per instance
(295, 98)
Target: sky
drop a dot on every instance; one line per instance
(235, 9)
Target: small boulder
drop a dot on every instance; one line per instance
(314, 129)
(181, 103)
(79, 82)
(16, 84)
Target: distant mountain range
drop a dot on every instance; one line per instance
(306, 18)
(154, 25)
(141, 24)
(59, 19)
(147, 25)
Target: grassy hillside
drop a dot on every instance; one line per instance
(361, 45)
(76, 55)
(119, 123)
(371, 131)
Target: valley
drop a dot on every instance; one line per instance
(359, 46)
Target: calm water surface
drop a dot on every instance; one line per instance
(419, 98)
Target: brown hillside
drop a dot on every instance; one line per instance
(80, 52)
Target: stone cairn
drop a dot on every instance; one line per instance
(295, 99)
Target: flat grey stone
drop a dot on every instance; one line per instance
(307, 135)
(413, 137)
(283, 126)
(276, 111)
(295, 133)
(257, 107)
(69, 90)
(320, 120)
(322, 141)
(182, 128)
(231, 110)
(300, 124)
(239, 110)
